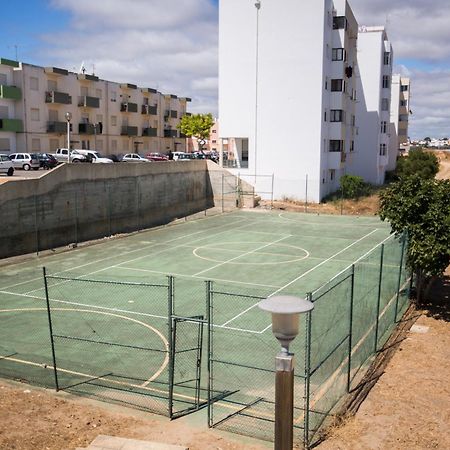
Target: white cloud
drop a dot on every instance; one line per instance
(420, 35)
(170, 45)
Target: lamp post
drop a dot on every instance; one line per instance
(285, 322)
(68, 116)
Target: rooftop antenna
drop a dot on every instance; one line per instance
(93, 69)
(82, 68)
(15, 50)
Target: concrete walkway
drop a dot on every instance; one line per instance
(103, 442)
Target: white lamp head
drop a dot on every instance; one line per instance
(68, 116)
(285, 311)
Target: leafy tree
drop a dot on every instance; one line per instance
(197, 126)
(418, 162)
(353, 186)
(421, 208)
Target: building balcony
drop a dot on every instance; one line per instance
(168, 133)
(86, 128)
(13, 125)
(148, 109)
(129, 107)
(89, 102)
(149, 132)
(128, 131)
(9, 62)
(58, 97)
(85, 76)
(56, 71)
(10, 92)
(335, 160)
(57, 127)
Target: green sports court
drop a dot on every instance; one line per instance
(166, 319)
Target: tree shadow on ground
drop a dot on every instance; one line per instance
(438, 299)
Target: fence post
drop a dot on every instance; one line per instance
(306, 194)
(108, 193)
(209, 348)
(307, 374)
(350, 333)
(399, 277)
(36, 229)
(138, 206)
(222, 195)
(170, 312)
(50, 329)
(76, 217)
(271, 193)
(380, 281)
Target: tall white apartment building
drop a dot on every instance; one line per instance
(106, 116)
(399, 121)
(287, 91)
(375, 56)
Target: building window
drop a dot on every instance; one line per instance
(353, 120)
(336, 115)
(352, 146)
(113, 121)
(404, 103)
(326, 83)
(332, 174)
(382, 149)
(338, 54)
(340, 23)
(34, 113)
(385, 104)
(34, 83)
(84, 91)
(35, 145)
(98, 93)
(336, 146)
(404, 88)
(383, 127)
(113, 96)
(325, 116)
(52, 85)
(4, 112)
(387, 58)
(403, 118)
(337, 85)
(386, 81)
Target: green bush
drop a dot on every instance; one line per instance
(420, 163)
(354, 187)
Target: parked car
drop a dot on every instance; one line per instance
(61, 155)
(181, 156)
(134, 157)
(25, 161)
(94, 156)
(47, 161)
(6, 165)
(157, 157)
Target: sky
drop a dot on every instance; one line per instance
(172, 45)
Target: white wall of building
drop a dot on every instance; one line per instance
(372, 112)
(275, 72)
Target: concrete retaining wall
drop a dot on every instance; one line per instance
(80, 202)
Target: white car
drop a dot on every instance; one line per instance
(6, 165)
(93, 156)
(25, 161)
(134, 157)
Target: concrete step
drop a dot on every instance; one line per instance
(103, 442)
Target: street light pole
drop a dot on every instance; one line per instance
(285, 323)
(95, 136)
(68, 118)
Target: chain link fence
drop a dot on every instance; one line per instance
(354, 315)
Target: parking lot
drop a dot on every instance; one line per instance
(23, 174)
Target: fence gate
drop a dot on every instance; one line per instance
(186, 362)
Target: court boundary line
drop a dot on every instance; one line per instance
(300, 277)
(145, 325)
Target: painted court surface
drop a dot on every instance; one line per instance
(250, 253)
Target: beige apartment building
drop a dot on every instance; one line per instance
(106, 116)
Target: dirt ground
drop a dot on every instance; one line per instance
(408, 409)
